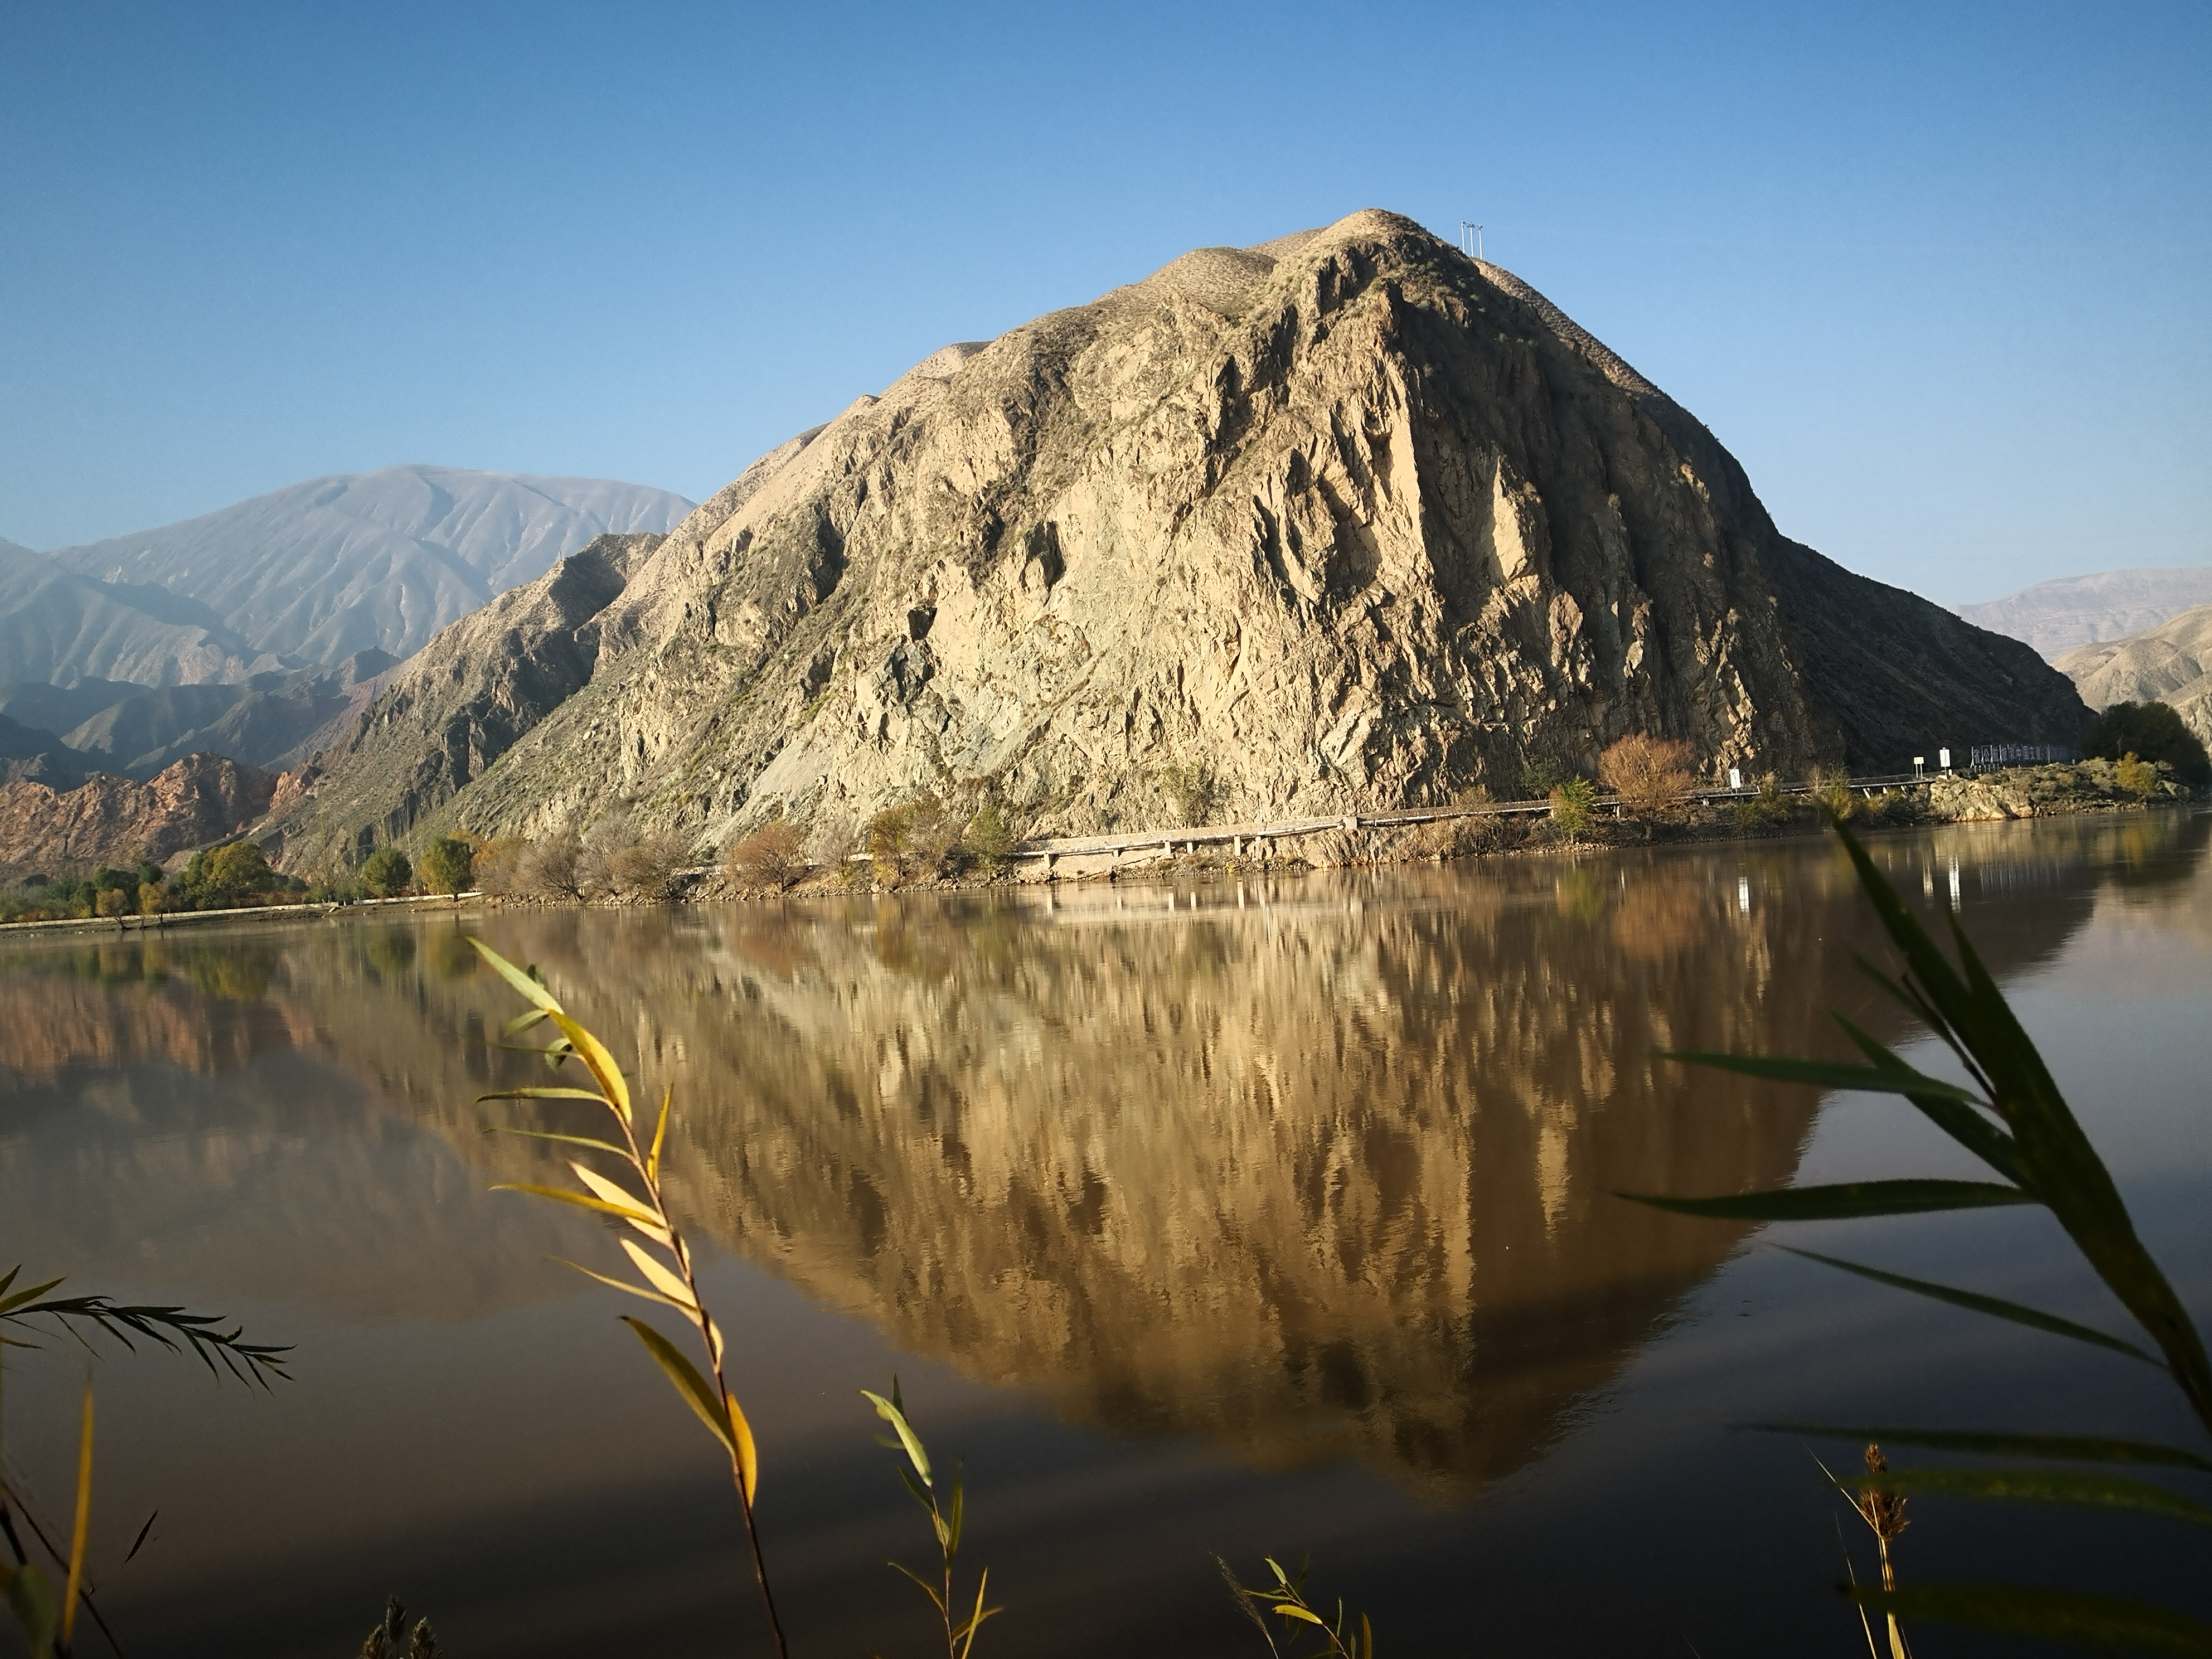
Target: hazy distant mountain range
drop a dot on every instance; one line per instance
(245, 630)
(333, 566)
(2055, 617)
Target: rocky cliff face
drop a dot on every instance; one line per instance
(111, 820)
(1342, 522)
(458, 705)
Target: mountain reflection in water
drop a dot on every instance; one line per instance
(1310, 1168)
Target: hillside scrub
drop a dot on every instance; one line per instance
(649, 868)
(552, 868)
(2152, 731)
(769, 859)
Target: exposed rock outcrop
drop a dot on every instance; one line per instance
(461, 702)
(1342, 522)
(111, 820)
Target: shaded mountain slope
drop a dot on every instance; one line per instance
(2169, 664)
(1346, 521)
(58, 626)
(459, 704)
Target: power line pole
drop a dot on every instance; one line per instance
(1470, 232)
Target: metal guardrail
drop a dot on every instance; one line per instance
(1190, 838)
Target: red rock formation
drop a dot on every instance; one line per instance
(111, 820)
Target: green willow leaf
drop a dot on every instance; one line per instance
(1822, 1073)
(2081, 1487)
(2068, 1616)
(2063, 1447)
(908, 1438)
(31, 1295)
(1987, 1304)
(1844, 1202)
(689, 1384)
(2064, 1167)
(572, 1140)
(1964, 1122)
(592, 1095)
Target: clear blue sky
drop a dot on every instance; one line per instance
(1937, 274)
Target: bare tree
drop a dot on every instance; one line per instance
(770, 859)
(1649, 774)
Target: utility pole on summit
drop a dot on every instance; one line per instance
(1470, 232)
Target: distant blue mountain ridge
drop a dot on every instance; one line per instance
(243, 631)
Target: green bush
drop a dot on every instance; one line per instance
(2137, 776)
(2152, 732)
(989, 836)
(447, 864)
(915, 841)
(1572, 803)
(387, 873)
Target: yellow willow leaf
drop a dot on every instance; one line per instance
(613, 1191)
(732, 1431)
(637, 1291)
(660, 1134)
(715, 1340)
(601, 1064)
(515, 976)
(661, 1278)
(748, 1455)
(637, 1219)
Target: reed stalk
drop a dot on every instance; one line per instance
(671, 1282)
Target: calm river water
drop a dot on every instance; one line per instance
(1262, 1217)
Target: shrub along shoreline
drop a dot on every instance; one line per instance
(922, 845)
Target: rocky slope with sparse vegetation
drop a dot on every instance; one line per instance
(1343, 522)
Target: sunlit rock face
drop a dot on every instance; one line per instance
(1325, 1167)
(1342, 522)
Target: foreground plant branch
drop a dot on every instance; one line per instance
(172, 1327)
(2012, 1118)
(945, 1519)
(672, 1283)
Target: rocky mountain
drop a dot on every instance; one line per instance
(2112, 606)
(26, 752)
(112, 820)
(1345, 521)
(2169, 664)
(322, 569)
(59, 627)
